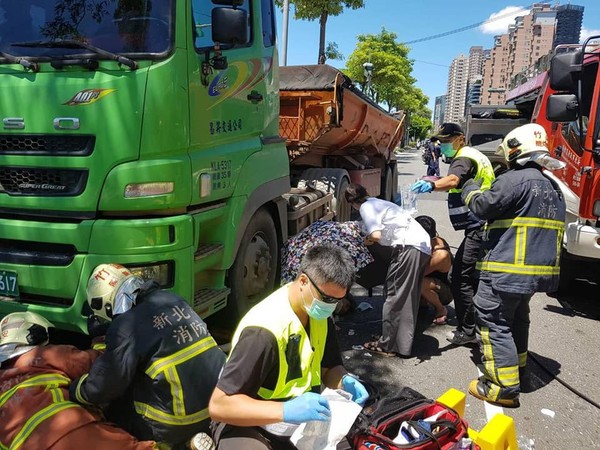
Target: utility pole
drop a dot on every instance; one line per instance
(286, 15)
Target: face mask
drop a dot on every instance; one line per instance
(447, 149)
(319, 310)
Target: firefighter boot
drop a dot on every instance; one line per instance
(480, 389)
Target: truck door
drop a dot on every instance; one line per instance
(227, 96)
(568, 143)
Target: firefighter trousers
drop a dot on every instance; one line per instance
(503, 332)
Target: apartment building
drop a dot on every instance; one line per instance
(457, 89)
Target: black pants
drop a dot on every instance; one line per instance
(464, 279)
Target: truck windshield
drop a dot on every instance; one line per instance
(119, 26)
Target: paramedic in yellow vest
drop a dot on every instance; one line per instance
(525, 213)
(467, 163)
(283, 350)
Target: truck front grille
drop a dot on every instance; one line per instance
(31, 253)
(44, 182)
(46, 144)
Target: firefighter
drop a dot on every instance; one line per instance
(160, 364)
(467, 163)
(525, 211)
(34, 382)
(284, 349)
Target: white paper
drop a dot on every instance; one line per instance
(317, 435)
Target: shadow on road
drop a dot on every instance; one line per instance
(580, 300)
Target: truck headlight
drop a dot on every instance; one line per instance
(596, 208)
(162, 273)
(136, 190)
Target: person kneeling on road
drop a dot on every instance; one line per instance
(34, 382)
(160, 365)
(283, 350)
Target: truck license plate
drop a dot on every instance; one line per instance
(9, 287)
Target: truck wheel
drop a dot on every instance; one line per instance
(568, 269)
(387, 185)
(252, 276)
(331, 180)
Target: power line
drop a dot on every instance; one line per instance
(460, 30)
(432, 63)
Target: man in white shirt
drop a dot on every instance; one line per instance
(389, 225)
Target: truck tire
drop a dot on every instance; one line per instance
(252, 275)
(568, 270)
(331, 180)
(387, 185)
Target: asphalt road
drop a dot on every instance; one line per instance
(563, 340)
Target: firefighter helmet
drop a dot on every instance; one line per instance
(20, 332)
(524, 141)
(111, 290)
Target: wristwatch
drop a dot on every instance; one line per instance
(432, 185)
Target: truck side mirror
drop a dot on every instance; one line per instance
(229, 26)
(565, 69)
(562, 108)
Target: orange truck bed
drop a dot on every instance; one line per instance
(321, 111)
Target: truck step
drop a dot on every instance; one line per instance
(205, 250)
(208, 301)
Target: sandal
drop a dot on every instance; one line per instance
(373, 347)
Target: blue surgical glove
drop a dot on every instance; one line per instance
(308, 406)
(356, 388)
(422, 187)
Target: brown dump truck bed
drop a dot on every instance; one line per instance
(322, 111)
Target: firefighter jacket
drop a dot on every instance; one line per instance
(35, 411)
(460, 216)
(525, 213)
(300, 356)
(158, 371)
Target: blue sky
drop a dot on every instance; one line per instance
(412, 20)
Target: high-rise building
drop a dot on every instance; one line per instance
(457, 89)
(530, 37)
(474, 79)
(438, 112)
(568, 24)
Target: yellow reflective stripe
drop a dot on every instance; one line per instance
(162, 417)
(508, 376)
(181, 356)
(3, 447)
(522, 359)
(488, 354)
(265, 393)
(49, 380)
(494, 391)
(176, 391)
(493, 266)
(100, 347)
(470, 195)
(57, 395)
(533, 222)
(520, 245)
(78, 395)
(38, 418)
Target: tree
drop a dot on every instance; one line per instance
(391, 81)
(420, 124)
(321, 10)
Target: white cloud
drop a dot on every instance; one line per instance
(498, 22)
(586, 33)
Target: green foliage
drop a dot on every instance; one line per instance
(392, 83)
(420, 125)
(332, 52)
(321, 10)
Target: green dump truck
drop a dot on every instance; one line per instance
(144, 133)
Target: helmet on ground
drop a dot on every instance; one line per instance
(20, 332)
(524, 141)
(112, 290)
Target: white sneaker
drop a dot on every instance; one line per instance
(202, 441)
